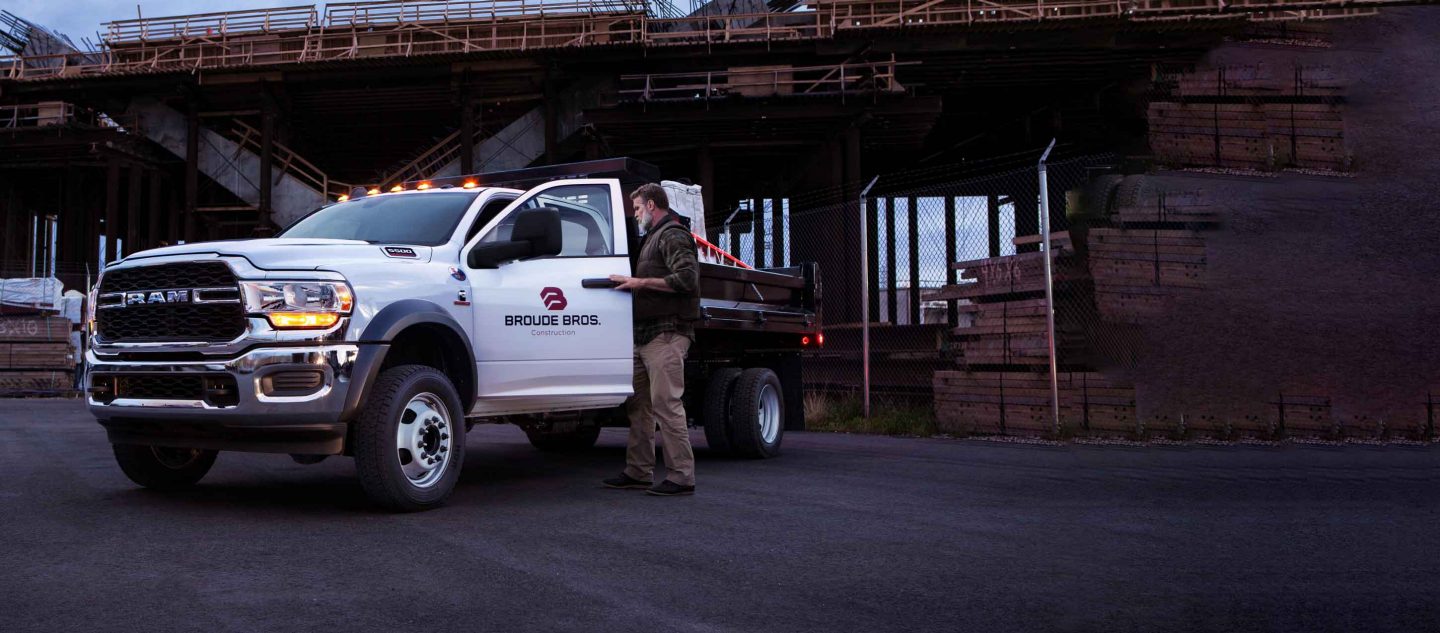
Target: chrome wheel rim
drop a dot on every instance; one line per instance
(769, 414)
(422, 440)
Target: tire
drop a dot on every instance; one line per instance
(757, 414)
(581, 439)
(164, 468)
(410, 409)
(715, 415)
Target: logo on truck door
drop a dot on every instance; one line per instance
(554, 298)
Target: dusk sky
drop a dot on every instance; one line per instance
(82, 18)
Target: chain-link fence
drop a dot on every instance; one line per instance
(945, 269)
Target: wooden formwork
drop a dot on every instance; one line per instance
(291, 35)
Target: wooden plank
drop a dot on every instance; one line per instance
(34, 329)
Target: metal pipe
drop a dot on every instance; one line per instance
(865, 301)
(1049, 289)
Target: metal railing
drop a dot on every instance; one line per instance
(248, 138)
(218, 24)
(406, 29)
(832, 79)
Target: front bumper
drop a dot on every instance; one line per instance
(314, 423)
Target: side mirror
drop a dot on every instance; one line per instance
(536, 233)
(495, 253)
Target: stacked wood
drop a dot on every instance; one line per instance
(1260, 80)
(1011, 402)
(1168, 207)
(1307, 135)
(1006, 302)
(35, 354)
(1013, 333)
(997, 278)
(1210, 134)
(1135, 271)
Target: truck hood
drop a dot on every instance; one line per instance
(296, 253)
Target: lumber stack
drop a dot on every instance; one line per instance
(1307, 135)
(35, 354)
(1019, 402)
(1135, 271)
(1006, 296)
(1252, 117)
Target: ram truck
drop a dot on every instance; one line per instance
(384, 327)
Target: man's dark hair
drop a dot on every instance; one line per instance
(651, 192)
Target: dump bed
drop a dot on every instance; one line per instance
(775, 300)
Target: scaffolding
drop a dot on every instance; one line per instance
(354, 30)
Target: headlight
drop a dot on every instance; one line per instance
(298, 304)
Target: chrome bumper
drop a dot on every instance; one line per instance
(254, 407)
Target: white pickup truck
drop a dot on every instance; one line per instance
(383, 327)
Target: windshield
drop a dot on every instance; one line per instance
(428, 219)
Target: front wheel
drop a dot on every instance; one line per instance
(164, 468)
(410, 439)
(757, 414)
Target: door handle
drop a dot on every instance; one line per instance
(598, 282)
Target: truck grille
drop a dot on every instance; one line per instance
(160, 322)
(216, 389)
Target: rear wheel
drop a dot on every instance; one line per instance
(757, 414)
(716, 414)
(164, 468)
(410, 439)
(566, 441)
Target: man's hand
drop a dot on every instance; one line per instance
(636, 283)
(627, 283)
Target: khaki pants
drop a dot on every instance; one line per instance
(659, 384)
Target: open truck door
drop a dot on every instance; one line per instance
(551, 333)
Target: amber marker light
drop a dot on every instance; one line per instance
(302, 320)
(373, 192)
(342, 198)
(397, 188)
(470, 184)
(423, 186)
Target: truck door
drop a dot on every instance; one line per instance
(549, 335)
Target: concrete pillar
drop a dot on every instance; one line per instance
(757, 220)
(992, 224)
(952, 317)
(705, 177)
(133, 221)
(914, 242)
(892, 301)
(777, 232)
(267, 164)
(154, 233)
(467, 135)
(112, 208)
(192, 172)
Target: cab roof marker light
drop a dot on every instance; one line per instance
(397, 188)
(423, 186)
(342, 198)
(470, 184)
(374, 191)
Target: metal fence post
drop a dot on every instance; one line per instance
(1049, 289)
(865, 300)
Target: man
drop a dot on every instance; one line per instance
(666, 286)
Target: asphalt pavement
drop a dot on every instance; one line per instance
(841, 533)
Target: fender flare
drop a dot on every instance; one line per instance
(383, 329)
